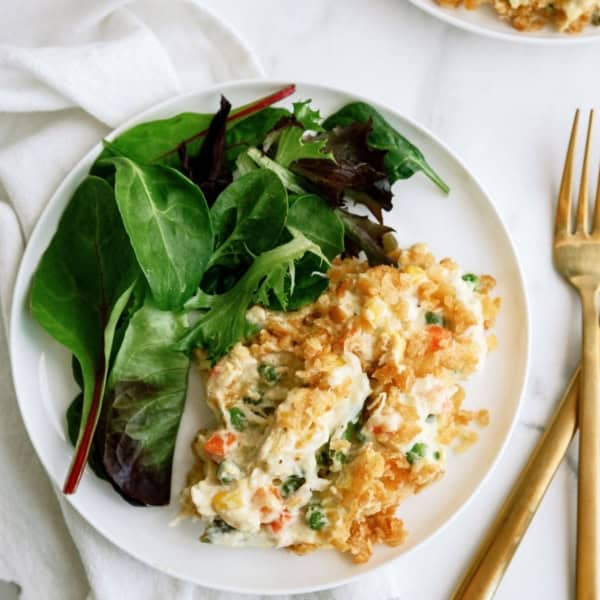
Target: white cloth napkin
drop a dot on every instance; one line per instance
(71, 70)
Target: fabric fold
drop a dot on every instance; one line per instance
(70, 71)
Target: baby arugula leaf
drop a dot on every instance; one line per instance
(168, 223)
(224, 323)
(403, 159)
(80, 288)
(145, 401)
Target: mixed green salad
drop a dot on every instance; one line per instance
(180, 227)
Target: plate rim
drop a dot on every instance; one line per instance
(276, 83)
(561, 39)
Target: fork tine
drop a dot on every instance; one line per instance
(596, 228)
(563, 210)
(582, 207)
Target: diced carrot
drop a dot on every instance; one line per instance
(378, 429)
(280, 521)
(218, 444)
(437, 336)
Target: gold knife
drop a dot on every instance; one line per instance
(493, 556)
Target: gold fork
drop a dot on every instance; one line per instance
(577, 258)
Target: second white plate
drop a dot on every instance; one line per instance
(484, 21)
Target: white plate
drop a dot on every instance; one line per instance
(485, 21)
(464, 226)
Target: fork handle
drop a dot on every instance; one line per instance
(588, 502)
(493, 556)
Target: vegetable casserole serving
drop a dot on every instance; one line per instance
(332, 414)
(569, 16)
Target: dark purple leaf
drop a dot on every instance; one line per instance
(363, 234)
(357, 173)
(208, 168)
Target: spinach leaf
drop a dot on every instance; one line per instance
(169, 226)
(147, 142)
(311, 215)
(249, 215)
(252, 131)
(80, 288)
(207, 169)
(225, 321)
(145, 400)
(403, 159)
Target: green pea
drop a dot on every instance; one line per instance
(416, 452)
(291, 484)
(437, 455)
(323, 457)
(237, 418)
(216, 528)
(316, 518)
(432, 318)
(470, 278)
(253, 401)
(267, 372)
(227, 471)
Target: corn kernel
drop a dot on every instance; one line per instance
(415, 272)
(224, 501)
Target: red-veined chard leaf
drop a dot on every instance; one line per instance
(157, 141)
(144, 403)
(403, 159)
(168, 222)
(79, 290)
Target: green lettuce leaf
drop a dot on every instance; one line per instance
(145, 401)
(224, 323)
(79, 290)
(292, 147)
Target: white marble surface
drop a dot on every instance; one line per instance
(506, 109)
